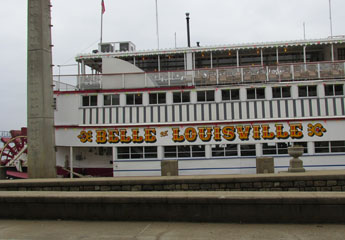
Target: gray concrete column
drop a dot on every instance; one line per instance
(41, 136)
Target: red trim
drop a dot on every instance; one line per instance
(17, 174)
(202, 124)
(125, 90)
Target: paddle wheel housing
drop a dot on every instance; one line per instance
(14, 153)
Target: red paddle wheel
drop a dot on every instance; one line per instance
(14, 153)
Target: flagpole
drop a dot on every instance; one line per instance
(102, 12)
(157, 30)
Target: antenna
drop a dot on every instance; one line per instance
(330, 18)
(175, 41)
(157, 31)
(304, 30)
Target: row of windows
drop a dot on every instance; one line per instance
(225, 150)
(209, 95)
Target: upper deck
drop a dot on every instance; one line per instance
(211, 65)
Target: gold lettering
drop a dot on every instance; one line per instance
(205, 137)
(243, 134)
(266, 134)
(112, 138)
(217, 135)
(295, 130)
(135, 136)
(150, 135)
(123, 136)
(229, 133)
(190, 134)
(101, 136)
(280, 132)
(176, 135)
(256, 132)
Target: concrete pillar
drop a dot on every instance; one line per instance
(264, 165)
(3, 172)
(169, 168)
(41, 135)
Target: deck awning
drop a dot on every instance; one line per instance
(263, 45)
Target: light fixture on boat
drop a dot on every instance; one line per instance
(285, 49)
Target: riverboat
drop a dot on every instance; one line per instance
(215, 109)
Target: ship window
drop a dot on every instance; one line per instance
(185, 151)
(134, 99)
(281, 92)
(111, 99)
(224, 150)
(170, 152)
(307, 91)
(321, 147)
(89, 101)
(198, 151)
(181, 97)
(136, 152)
(123, 153)
(333, 146)
(205, 96)
(248, 150)
(230, 94)
(338, 146)
(157, 98)
(150, 152)
(281, 148)
(255, 93)
(334, 89)
(341, 53)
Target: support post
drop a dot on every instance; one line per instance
(41, 132)
(238, 58)
(71, 161)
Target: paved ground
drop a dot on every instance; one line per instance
(67, 230)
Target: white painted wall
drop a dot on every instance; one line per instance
(67, 109)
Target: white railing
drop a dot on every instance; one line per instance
(218, 76)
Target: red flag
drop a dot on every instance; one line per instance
(103, 7)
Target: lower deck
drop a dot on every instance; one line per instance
(200, 150)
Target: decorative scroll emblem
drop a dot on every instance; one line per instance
(164, 134)
(85, 136)
(316, 130)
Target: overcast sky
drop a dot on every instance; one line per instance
(77, 30)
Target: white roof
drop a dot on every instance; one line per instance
(334, 40)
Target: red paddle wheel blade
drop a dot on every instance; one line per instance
(24, 131)
(5, 140)
(15, 133)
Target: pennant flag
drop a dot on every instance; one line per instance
(103, 7)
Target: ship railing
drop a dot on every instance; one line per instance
(204, 77)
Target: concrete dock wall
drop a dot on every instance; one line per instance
(238, 207)
(309, 181)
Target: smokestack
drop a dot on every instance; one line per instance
(188, 32)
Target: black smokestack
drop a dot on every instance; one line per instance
(188, 32)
